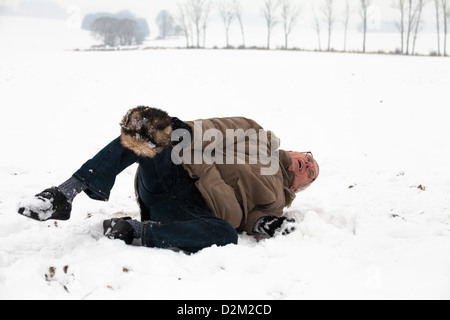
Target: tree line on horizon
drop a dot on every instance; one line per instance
(192, 20)
(122, 29)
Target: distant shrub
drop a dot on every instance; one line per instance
(122, 28)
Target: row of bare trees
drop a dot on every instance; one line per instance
(287, 13)
(193, 18)
(410, 12)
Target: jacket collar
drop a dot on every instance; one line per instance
(288, 177)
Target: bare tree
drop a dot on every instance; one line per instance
(207, 6)
(437, 6)
(401, 6)
(364, 8)
(317, 26)
(165, 23)
(196, 12)
(113, 31)
(419, 10)
(409, 24)
(346, 22)
(446, 14)
(128, 32)
(184, 23)
(269, 12)
(289, 16)
(227, 12)
(330, 19)
(238, 14)
(106, 29)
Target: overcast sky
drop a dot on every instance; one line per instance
(150, 8)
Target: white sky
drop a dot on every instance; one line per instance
(149, 7)
(251, 8)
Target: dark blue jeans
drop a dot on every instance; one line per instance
(172, 209)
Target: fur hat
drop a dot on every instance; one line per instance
(146, 131)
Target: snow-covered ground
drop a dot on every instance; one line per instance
(375, 225)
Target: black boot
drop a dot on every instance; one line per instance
(49, 204)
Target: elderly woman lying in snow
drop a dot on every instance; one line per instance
(197, 184)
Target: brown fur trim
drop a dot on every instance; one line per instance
(139, 147)
(146, 131)
(163, 137)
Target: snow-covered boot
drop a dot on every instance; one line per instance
(49, 204)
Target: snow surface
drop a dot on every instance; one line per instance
(375, 225)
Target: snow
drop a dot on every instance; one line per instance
(375, 225)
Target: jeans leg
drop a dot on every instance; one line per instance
(156, 176)
(187, 227)
(99, 173)
(176, 215)
(154, 181)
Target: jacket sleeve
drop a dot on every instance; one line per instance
(220, 197)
